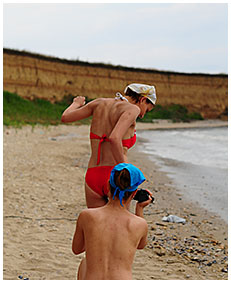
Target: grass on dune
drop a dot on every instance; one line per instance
(18, 111)
(174, 112)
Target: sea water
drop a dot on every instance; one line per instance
(197, 161)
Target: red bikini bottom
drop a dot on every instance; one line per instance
(97, 179)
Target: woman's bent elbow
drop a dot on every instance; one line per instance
(74, 251)
(115, 140)
(63, 119)
(77, 251)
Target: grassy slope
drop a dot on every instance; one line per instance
(18, 111)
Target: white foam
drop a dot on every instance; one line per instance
(196, 160)
(208, 147)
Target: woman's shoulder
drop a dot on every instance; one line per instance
(118, 103)
(139, 221)
(88, 214)
(130, 109)
(136, 223)
(100, 101)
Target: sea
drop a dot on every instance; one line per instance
(197, 162)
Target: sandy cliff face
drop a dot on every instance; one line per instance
(30, 76)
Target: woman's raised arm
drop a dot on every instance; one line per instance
(77, 110)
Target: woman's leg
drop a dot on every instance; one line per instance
(93, 199)
(82, 270)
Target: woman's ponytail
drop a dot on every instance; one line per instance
(122, 180)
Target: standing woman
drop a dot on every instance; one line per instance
(112, 133)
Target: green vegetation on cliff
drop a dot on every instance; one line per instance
(18, 111)
(174, 112)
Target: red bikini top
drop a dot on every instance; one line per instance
(126, 143)
(129, 142)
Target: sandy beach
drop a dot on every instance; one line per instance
(43, 193)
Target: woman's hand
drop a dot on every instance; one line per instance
(141, 205)
(79, 101)
(77, 110)
(144, 203)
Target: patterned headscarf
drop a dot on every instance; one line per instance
(148, 91)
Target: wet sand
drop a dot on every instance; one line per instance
(196, 160)
(43, 194)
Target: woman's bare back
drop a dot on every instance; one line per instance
(111, 117)
(112, 237)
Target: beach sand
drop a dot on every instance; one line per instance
(43, 193)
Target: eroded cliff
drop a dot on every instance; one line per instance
(32, 75)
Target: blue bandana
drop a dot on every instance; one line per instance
(136, 177)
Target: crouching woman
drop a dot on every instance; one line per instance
(111, 234)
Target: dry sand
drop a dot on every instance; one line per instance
(43, 194)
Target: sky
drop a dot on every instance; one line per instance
(183, 37)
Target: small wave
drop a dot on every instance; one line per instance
(201, 147)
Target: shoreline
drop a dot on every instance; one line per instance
(44, 170)
(172, 243)
(168, 124)
(191, 242)
(203, 182)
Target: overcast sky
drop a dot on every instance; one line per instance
(173, 37)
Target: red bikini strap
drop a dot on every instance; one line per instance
(102, 139)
